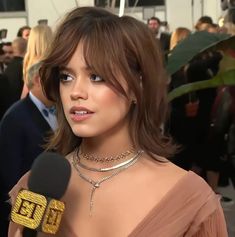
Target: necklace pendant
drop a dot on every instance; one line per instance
(97, 185)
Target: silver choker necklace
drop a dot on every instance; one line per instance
(118, 166)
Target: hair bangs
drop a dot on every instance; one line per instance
(102, 55)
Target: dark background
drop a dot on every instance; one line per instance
(12, 5)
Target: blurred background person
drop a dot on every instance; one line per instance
(178, 35)
(205, 23)
(230, 28)
(38, 43)
(1, 59)
(203, 20)
(14, 70)
(212, 28)
(220, 147)
(191, 113)
(154, 24)
(24, 32)
(8, 54)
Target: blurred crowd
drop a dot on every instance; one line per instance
(202, 121)
(27, 116)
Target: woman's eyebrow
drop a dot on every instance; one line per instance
(65, 68)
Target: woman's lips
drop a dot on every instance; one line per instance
(80, 113)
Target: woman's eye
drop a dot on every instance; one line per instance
(96, 78)
(65, 77)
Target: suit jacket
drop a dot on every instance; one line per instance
(4, 95)
(14, 74)
(22, 133)
(165, 41)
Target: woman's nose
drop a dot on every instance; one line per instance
(79, 90)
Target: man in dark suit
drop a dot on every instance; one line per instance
(8, 54)
(23, 130)
(154, 25)
(4, 94)
(14, 70)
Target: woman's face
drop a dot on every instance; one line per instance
(91, 107)
(26, 33)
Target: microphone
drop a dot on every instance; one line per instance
(38, 209)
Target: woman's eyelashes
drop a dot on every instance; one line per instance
(96, 78)
(67, 77)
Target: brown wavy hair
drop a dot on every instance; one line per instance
(112, 45)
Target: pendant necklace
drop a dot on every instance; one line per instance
(96, 184)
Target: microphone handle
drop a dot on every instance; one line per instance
(29, 232)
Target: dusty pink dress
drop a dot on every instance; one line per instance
(189, 209)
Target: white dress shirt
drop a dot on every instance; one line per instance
(49, 117)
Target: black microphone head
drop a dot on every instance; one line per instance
(50, 175)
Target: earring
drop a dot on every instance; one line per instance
(134, 102)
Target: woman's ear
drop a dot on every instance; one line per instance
(133, 99)
(37, 80)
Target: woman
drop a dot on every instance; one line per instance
(24, 32)
(178, 35)
(106, 76)
(38, 44)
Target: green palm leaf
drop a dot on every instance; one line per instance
(196, 44)
(226, 78)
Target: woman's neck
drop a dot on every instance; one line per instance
(108, 144)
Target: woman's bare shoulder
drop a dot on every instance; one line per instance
(163, 170)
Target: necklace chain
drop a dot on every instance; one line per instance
(93, 157)
(96, 184)
(118, 166)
